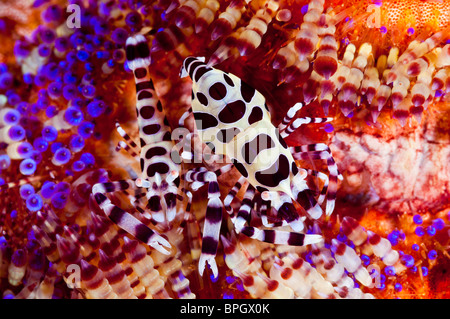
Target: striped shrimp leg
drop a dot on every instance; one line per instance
(126, 148)
(283, 205)
(277, 236)
(213, 217)
(289, 116)
(244, 213)
(303, 120)
(153, 128)
(321, 151)
(310, 150)
(156, 161)
(121, 186)
(268, 218)
(131, 224)
(232, 194)
(130, 144)
(280, 237)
